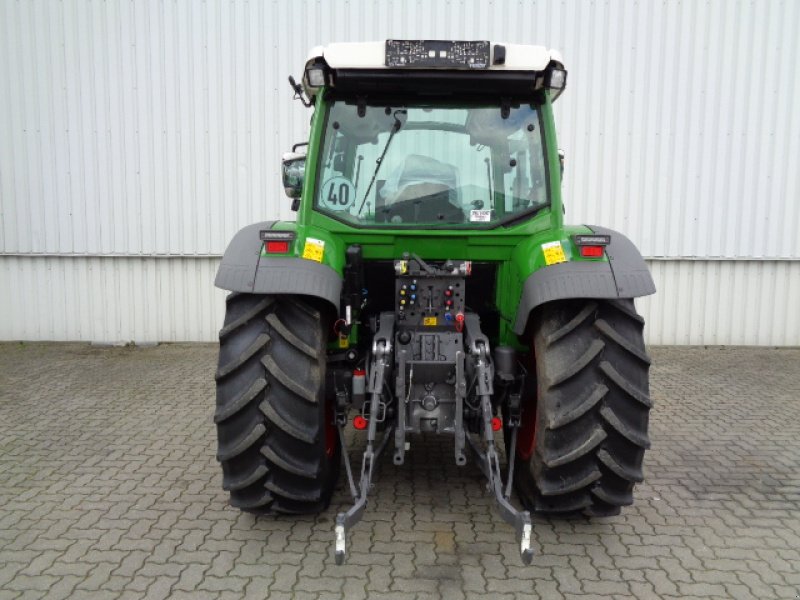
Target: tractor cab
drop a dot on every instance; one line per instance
(445, 135)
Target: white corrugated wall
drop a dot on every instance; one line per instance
(137, 136)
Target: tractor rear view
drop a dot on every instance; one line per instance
(430, 286)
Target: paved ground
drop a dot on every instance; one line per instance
(109, 489)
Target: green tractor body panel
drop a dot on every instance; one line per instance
(518, 250)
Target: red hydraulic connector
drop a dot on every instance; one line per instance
(496, 423)
(360, 422)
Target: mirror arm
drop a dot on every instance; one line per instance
(299, 94)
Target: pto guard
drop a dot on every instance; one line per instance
(243, 269)
(625, 275)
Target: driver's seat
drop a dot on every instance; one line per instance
(421, 190)
(412, 191)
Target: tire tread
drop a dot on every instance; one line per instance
(271, 405)
(592, 409)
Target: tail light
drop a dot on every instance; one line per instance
(591, 251)
(592, 246)
(277, 242)
(276, 247)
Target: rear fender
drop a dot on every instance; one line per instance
(625, 275)
(244, 269)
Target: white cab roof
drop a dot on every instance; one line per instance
(372, 55)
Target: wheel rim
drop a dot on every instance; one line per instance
(330, 431)
(526, 438)
(527, 431)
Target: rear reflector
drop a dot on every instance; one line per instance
(591, 251)
(276, 247)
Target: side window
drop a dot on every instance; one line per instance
(365, 162)
(337, 192)
(524, 183)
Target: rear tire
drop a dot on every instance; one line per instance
(277, 445)
(589, 433)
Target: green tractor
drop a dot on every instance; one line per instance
(430, 286)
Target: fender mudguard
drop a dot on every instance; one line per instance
(244, 269)
(625, 275)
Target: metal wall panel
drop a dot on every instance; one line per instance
(155, 128)
(109, 299)
(173, 299)
(721, 302)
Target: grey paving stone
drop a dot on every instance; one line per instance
(109, 489)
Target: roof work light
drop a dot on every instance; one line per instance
(315, 76)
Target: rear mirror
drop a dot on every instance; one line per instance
(294, 169)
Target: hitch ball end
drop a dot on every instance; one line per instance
(525, 550)
(341, 544)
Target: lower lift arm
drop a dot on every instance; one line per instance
(487, 456)
(381, 367)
